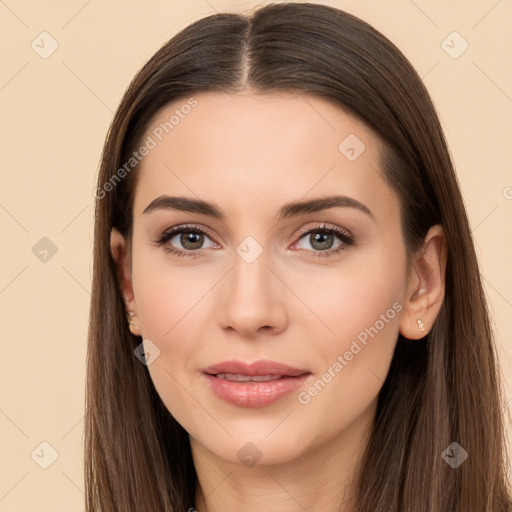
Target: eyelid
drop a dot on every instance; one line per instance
(319, 226)
(183, 227)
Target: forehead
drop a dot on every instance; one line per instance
(249, 150)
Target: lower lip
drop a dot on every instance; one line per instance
(254, 394)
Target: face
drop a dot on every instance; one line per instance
(317, 288)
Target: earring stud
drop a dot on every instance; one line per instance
(133, 328)
(421, 325)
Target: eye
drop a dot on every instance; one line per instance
(191, 238)
(322, 238)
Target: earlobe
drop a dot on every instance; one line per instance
(426, 286)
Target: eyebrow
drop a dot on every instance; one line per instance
(293, 209)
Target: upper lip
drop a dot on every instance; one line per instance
(261, 367)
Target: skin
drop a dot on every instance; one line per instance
(250, 154)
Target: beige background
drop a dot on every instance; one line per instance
(55, 113)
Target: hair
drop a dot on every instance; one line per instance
(444, 388)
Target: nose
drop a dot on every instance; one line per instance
(253, 299)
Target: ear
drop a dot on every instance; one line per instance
(426, 286)
(122, 258)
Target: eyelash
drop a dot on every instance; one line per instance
(346, 238)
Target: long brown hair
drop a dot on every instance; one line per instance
(445, 388)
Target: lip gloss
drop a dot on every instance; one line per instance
(254, 394)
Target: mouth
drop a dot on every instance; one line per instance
(253, 385)
(237, 377)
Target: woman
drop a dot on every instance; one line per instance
(287, 311)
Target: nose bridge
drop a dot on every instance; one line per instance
(251, 299)
(250, 273)
(250, 277)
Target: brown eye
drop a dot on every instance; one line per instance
(191, 240)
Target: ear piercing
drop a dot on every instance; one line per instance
(421, 325)
(133, 328)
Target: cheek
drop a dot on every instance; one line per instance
(167, 293)
(362, 296)
(362, 307)
(175, 307)
(169, 302)
(164, 298)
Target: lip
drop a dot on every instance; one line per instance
(254, 394)
(261, 367)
